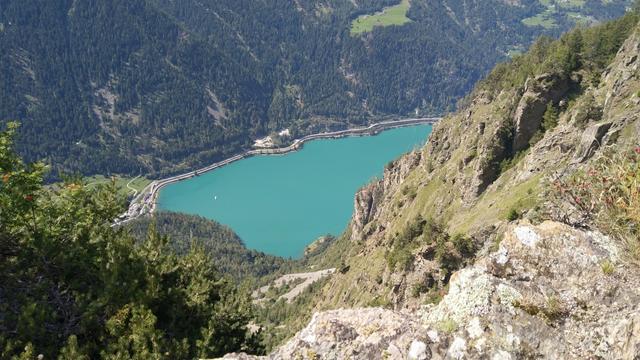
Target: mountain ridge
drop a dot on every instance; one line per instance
(160, 87)
(479, 245)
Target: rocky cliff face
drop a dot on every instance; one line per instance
(368, 200)
(539, 91)
(544, 293)
(551, 285)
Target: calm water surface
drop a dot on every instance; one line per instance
(280, 204)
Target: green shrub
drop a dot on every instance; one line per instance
(508, 163)
(513, 214)
(550, 117)
(436, 294)
(536, 137)
(447, 326)
(587, 109)
(607, 267)
(433, 231)
(434, 297)
(607, 193)
(64, 271)
(451, 253)
(418, 289)
(399, 259)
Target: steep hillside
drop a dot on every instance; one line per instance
(514, 232)
(159, 86)
(116, 86)
(492, 160)
(72, 286)
(232, 258)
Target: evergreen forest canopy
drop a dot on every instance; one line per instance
(232, 258)
(72, 287)
(159, 86)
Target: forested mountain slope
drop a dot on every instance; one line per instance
(116, 86)
(231, 256)
(72, 287)
(158, 86)
(512, 234)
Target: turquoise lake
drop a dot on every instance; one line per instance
(280, 204)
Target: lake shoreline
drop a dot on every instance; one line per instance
(146, 201)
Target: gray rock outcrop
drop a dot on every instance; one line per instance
(538, 92)
(591, 141)
(549, 291)
(365, 206)
(368, 200)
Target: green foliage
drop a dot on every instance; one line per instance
(176, 87)
(550, 117)
(418, 289)
(588, 49)
(508, 163)
(607, 267)
(75, 287)
(434, 296)
(586, 110)
(447, 326)
(609, 194)
(513, 214)
(394, 15)
(400, 259)
(27, 354)
(220, 242)
(450, 251)
(133, 335)
(72, 351)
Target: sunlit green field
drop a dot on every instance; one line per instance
(573, 9)
(91, 182)
(136, 184)
(394, 15)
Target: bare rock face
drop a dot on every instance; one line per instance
(368, 200)
(591, 141)
(398, 170)
(486, 169)
(372, 333)
(538, 93)
(545, 293)
(365, 206)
